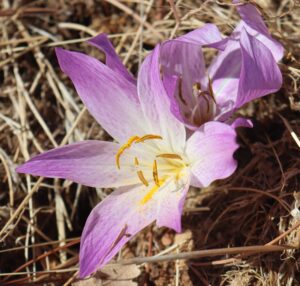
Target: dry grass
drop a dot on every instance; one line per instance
(41, 219)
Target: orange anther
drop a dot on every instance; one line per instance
(142, 178)
(180, 91)
(148, 137)
(169, 156)
(155, 173)
(125, 146)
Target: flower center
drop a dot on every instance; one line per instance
(204, 108)
(157, 167)
(203, 104)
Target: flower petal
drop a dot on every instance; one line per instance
(225, 72)
(156, 103)
(124, 213)
(90, 163)
(210, 150)
(183, 57)
(186, 61)
(241, 122)
(260, 74)
(255, 26)
(112, 60)
(171, 205)
(110, 99)
(244, 71)
(208, 35)
(110, 225)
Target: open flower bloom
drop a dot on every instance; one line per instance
(152, 165)
(244, 69)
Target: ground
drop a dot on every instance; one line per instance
(249, 222)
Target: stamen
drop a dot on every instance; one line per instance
(180, 91)
(155, 173)
(131, 140)
(211, 92)
(197, 86)
(169, 156)
(148, 137)
(203, 94)
(127, 145)
(142, 178)
(136, 161)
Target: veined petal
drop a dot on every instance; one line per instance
(110, 225)
(210, 150)
(156, 103)
(90, 163)
(118, 218)
(255, 26)
(260, 74)
(110, 99)
(112, 60)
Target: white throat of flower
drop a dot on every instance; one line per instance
(165, 167)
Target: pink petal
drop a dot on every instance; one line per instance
(110, 225)
(121, 215)
(246, 70)
(90, 163)
(225, 72)
(210, 150)
(208, 35)
(241, 122)
(110, 99)
(260, 74)
(186, 61)
(112, 59)
(255, 26)
(156, 103)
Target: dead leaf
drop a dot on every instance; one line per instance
(112, 275)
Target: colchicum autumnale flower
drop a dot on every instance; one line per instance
(152, 165)
(244, 69)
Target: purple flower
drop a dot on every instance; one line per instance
(152, 165)
(245, 69)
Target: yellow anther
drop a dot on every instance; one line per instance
(169, 156)
(155, 173)
(148, 137)
(136, 161)
(125, 146)
(131, 140)
(197, 86)
(142, 178)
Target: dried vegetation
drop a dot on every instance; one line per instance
(243, 228)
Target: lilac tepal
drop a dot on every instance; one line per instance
(245, 69)
(152, 164)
